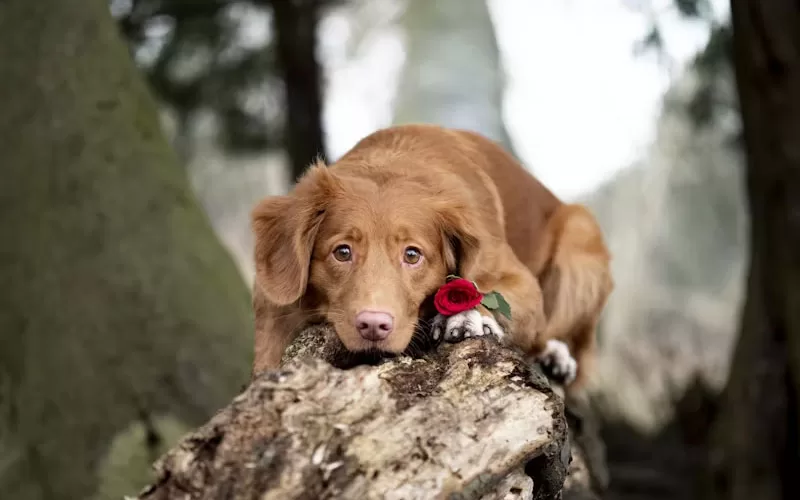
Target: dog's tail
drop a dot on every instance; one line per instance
(573, 268)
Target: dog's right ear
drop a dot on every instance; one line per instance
(284, 228)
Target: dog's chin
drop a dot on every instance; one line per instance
(362, 355)
(355, 351)
(386, 347)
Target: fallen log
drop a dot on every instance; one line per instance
(467, 421)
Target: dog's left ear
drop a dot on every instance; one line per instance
(465, 241)
(285, 228)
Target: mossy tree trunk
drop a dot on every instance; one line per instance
(759, 447)
(122, 319)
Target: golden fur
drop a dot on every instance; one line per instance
(470, 208)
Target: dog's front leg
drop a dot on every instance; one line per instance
(514, 281)
(275, 328)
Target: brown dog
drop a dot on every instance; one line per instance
(363, 243)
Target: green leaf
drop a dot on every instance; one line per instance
(504, 307)
(496, 302)
(490, 301)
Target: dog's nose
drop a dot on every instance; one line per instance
(374, 325)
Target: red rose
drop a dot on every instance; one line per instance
(457, 296)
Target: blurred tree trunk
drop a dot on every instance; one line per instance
(296, 28)
(453, 75)
(758, 455)
(122, 319)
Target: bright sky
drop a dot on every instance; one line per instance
(580, 105)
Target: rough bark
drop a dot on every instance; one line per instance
(470, 420)
(758, 449)
(119, 309)
(296, 31)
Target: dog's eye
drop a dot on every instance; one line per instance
(412, 255)
(342, 253)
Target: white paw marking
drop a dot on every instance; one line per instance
(558, 362)
(491, 327)
(464, 325)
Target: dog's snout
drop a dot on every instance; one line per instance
(374, 325)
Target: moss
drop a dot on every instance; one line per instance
(116, 299)
(127, 467)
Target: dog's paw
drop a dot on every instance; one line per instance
(558, 363)
(464, 325)
(458, 327)
(491, 327)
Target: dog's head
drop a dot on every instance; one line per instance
(365, 255)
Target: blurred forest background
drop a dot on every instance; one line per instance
(127, 321)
